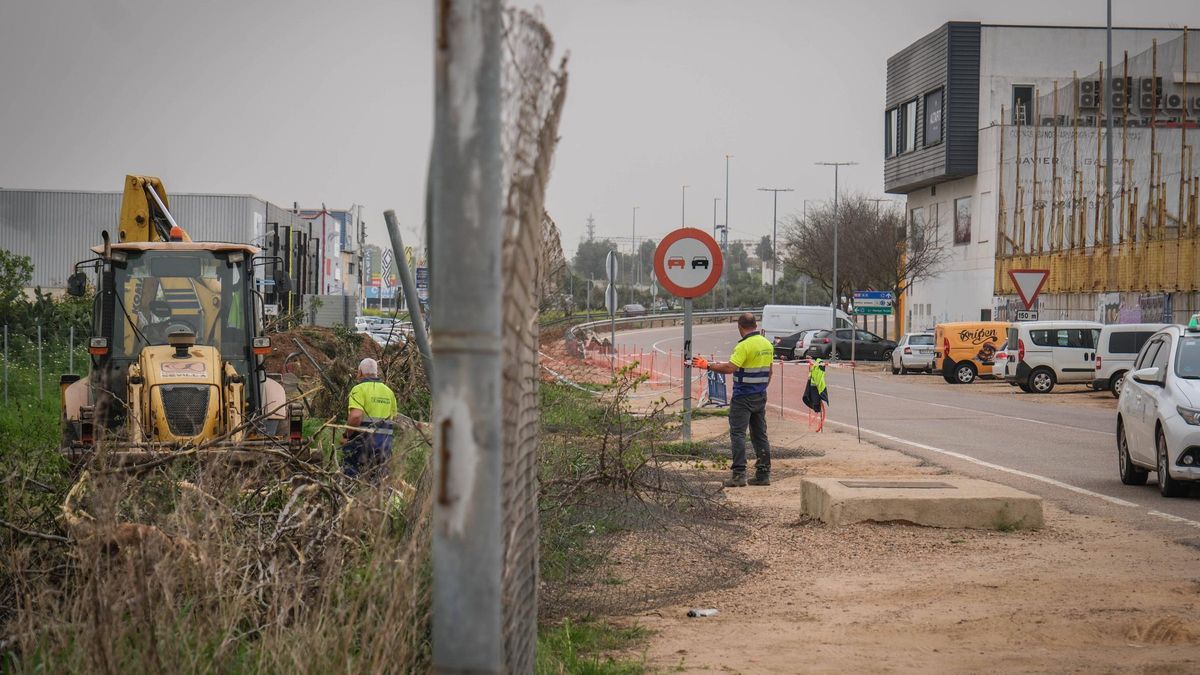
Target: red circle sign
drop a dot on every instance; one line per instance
(688, 262)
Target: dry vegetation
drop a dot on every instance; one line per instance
(203, 566)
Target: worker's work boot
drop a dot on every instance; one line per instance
(760, 479)
(738, 479)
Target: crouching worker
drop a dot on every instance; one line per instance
(367, 445)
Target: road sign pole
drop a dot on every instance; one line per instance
(687, 369)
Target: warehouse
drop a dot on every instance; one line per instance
(995, 132)
(57, 228)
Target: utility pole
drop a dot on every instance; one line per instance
(683, 207)
(467, 605)
(834, 300)
(877, 202)
(591, 227)
(715, 200)
(637, 250)
(775, 234)
(725, 237)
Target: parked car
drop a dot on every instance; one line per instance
(633, 309)
(1000, 361)
(966, 350)
(913, 352)
(865, 346)
(783, 320)
(1116, 350)
(785, 347)
(1158, 416)
(1052, 352)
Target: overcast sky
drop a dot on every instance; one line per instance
(318, 101)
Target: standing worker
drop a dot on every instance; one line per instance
(750, 366)
(367, 444)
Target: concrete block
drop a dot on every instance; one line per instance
(935, 502)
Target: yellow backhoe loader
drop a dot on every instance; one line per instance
(177, 346)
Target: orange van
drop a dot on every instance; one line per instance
(966, 349)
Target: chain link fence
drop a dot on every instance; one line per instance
(534, 89)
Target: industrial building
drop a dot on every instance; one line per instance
(995, 134)
(56, 229)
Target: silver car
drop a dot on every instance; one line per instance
(913, 352)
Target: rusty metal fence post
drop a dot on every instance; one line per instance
(467, 284)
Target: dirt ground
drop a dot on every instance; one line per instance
(1084, 594)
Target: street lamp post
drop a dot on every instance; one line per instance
(637, 251)
(715, 200)
(683, 207)
(725, 237)
(834, 300)
(774, 234)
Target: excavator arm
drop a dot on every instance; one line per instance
(144, 212)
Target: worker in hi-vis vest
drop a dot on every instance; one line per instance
(367, 444)
(750, 366)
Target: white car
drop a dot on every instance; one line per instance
(913, 352)
(1116, 349)
(1158, 415)
(1000, 362)
(1051, 352)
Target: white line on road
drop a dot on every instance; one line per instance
(980, 462)
(1174, 518)
(1056, 425)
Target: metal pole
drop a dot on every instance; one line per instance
(683, 206)
(71, 353)
(5, 364)
(612, 343)
(41, 386)
(409, 286)
(591, 282)
(466, 223)
(834, 299)
(687, 369)
(637, 249)
(725, 238)
(1108, 130)
(774, 234)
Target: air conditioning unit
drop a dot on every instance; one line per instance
(1087, 100)
(1146, 102)
(1118, 100)
(1088, 86)
(1121, 84)
(1151, 85)
(1174, 102)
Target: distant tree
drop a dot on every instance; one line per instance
(739, 259)
(589, 257)
(877, 250)
(763, 249)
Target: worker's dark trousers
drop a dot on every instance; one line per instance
(750, 411)
(367, 454)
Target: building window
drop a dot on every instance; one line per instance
(1022, 103)
(916, 229)
(933, 118)
(962, 220)
(910, 126)
(890, 125)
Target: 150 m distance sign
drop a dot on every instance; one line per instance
(688, 262)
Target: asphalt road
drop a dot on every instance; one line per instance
(1063, 451)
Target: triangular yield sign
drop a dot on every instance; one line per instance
(1029, 283)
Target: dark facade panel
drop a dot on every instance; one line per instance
(962, 129)
(948, 60)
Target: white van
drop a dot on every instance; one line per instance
(784, 320)
(1116, 350)
(1051, 352)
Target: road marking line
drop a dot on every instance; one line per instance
(980, 462)
(978, 412)
(1174, 518)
